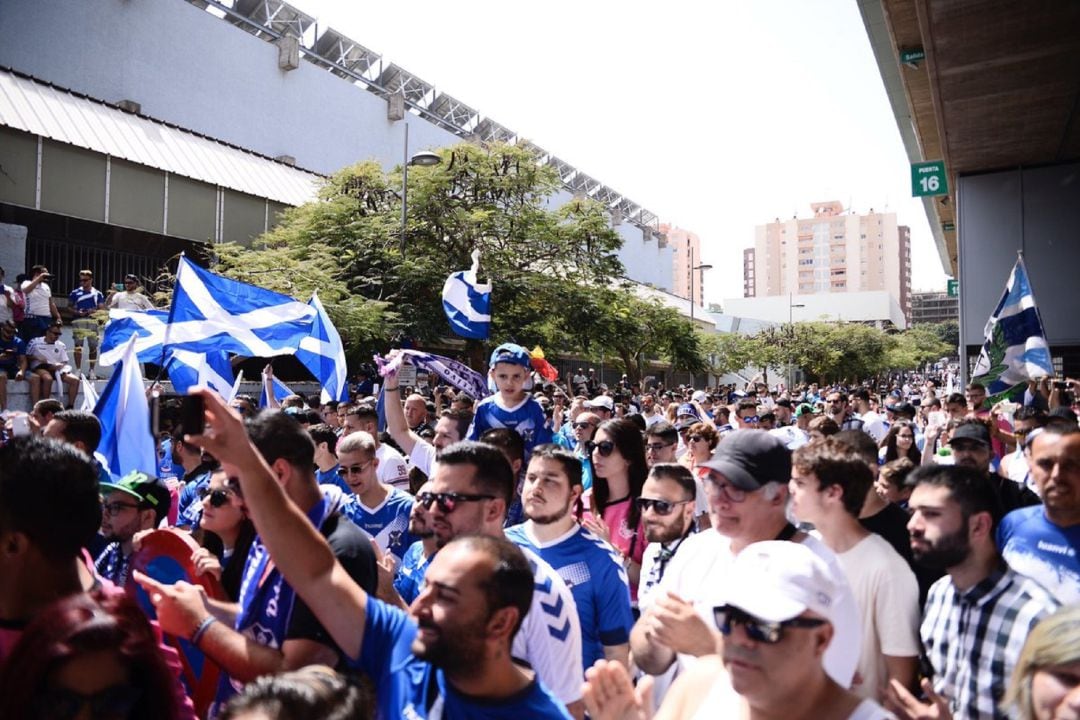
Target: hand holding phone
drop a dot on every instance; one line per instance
(192, 415)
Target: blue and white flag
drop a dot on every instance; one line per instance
(147, 326)
(467, 303)
(126, 443)
(281, 391)
(456, 374)
(1015, 350)
(322, 353)
(187, 368)
(213, 313)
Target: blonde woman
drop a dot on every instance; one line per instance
(1046, 682)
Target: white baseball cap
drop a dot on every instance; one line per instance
(778, 580)
(601, 401)
(699, 396)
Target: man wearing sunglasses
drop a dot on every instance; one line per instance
(778, 610)
(378, 509)
(592, 568)
(748, 475)
(132, 504)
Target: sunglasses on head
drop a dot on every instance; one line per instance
(446, 502)
(605, 448)
(763, 631)
(661, 507)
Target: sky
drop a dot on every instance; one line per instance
(715, 116)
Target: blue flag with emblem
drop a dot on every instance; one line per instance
(323, 354)
(213, 313)
(467, 303)
(1015, 349)
(126, 442)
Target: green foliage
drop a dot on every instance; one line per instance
(915, 347)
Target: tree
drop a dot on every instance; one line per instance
(915, 347)
(730, 352)
(494, 199)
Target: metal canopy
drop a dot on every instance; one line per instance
(999, 87)
(348, 59)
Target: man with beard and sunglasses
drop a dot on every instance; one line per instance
(409, 578)
(778, 611)
(591, 567)
(976, 617)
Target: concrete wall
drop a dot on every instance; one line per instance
(192, 69)
(1036, 210)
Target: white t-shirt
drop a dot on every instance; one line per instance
(422, 457)
(723, 702)
(7, 313)
(37, 300)
(887, 595)
(874, 425)
(393, 470)
(54, 353)
(130, 301)
(550, 635)
(697, 573)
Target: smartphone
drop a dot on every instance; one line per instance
(192, 415)
(1058, 385)
(20, 426)
(155, 414)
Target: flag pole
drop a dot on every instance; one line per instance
(168, 322)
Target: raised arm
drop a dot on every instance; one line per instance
(396, 424)
(297, 548)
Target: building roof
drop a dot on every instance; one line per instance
(987, 85)
(58, 114)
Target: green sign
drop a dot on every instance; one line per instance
(911, 56)
(928, 179)
(952, 287)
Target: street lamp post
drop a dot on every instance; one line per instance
(693, 270)
(422, 159)
(791, 326)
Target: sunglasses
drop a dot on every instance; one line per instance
(661, 507)
(217, 496)
(657, 447)
(583, 425)
(732, 493)
(353, 469)
(63, 704)
(446, 502)
(695, 438)
(115, 508)
(759, 630)
(605, 448)
(750, 419)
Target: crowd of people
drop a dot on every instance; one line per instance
(31, 324)
(555, 549)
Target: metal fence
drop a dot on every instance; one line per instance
(65, 259)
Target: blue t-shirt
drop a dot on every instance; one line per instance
(84, 300)
(412, 688)
(189, 507)
(1047, 553)
(594, 572)
(410, 573)
(333, 477)
(387, 524)
(527, 419)
(11, 362)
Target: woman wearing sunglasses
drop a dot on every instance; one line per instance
(619, 471)
(228, 533)
(89, 655)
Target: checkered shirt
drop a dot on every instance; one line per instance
(973, 639)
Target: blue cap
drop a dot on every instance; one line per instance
(511, 353)
(687, 409)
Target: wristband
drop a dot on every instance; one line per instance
(201, 630)
(387, 388)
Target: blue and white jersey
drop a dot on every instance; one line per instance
(1038, 549)
(85, 301)
(410, 573)
(189, 512)
(594, 572)
(527, 419)
(550, 636)
(387, 524)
